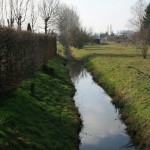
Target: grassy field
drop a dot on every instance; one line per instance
(47, 120)
(125, 75)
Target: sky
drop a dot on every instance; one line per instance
(99, 14)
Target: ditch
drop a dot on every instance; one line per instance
(102, 127)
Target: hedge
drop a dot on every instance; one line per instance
(21, 54)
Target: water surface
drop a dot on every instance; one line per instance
(102, 127)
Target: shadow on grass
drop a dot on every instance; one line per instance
(98, 47)
(106, 47)
(48, 120)
(115, 49)
(109, 55)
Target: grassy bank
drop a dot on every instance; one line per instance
(126, 77)
(47, 120)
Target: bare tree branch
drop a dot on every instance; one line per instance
(138, 12)
(2, 12)
(33, 15)
(48, 12)
(9, 13)
(20, 11)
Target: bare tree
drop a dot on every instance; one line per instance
(9, 13)
(48, 10)
(138, 12)
(20, 8)
(70, 30)
(141, 40)
(68, 18)
(33, 15)
(2, 12)
(141, 35)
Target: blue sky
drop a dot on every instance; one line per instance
(98, 14)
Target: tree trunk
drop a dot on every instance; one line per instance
(46, 26)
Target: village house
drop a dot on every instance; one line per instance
(104, 38)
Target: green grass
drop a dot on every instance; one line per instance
(60, 49)
(126, 77)
(47, 121)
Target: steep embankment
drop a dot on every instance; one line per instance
(126, 77)
(44, 120)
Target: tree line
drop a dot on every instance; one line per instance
(49, 15)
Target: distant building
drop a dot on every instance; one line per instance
(97, 40)
(104, 38)
(125, 35)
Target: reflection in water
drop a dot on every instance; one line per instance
(102, 127)
(75, 66)
(77, 69)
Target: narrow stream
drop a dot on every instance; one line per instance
(102, 127)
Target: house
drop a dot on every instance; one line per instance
(96, 40)
(124, 36)
(104, 38)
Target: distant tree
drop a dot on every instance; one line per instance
(138, 12)
(142, 42)
(2, 12)
(20, 8)
(145, 32)
(10, 14)
(70, 30)
(79, 36)
(146, 18)
(48, 10)
(33, 15)
(67, 19)
(137, 24)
